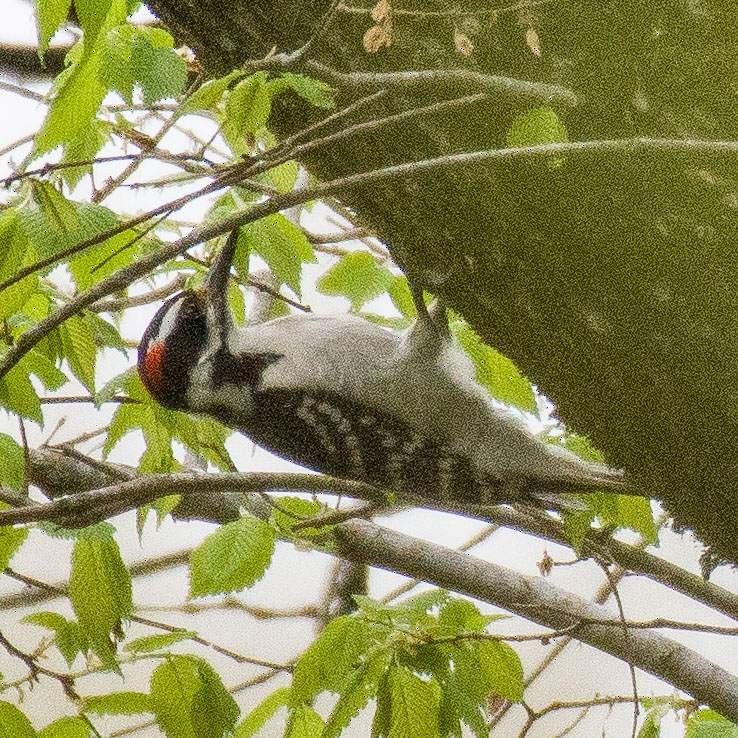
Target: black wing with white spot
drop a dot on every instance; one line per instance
(332, 436)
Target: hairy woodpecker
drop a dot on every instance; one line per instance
(348, 398)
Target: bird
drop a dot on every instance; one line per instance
(348, 398)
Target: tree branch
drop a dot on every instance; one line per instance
(542, 603)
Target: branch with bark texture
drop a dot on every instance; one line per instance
(537, 600)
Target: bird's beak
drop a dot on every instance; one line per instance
(215, 288)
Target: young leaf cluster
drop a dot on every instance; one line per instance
(424, 662)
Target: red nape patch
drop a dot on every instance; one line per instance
(152, 366)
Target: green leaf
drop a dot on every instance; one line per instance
(117, 703)
(402, 297)
(357, 276)
(84, 147)
(415, 705)
(209, 94)
(706, 723)
(100, 592)
(11, 539)
(360, 687)
(496, 372)
(16, 391)
(283, 246)
(214, 711)
(294, 510)
(160, 71)
(73, 108)
(331, 659)
(537, 126)
(67, 727)
(50, 14)
(79, 349)
(68, 636)
(15, 252)
(315, 91)
(248, 105)
(501, 670)
(173, 687)
(92, 15)
(461, 615)
(282, 177)
(651, 727)
(260, 714)
(13, 467)
(146, 644)
(189, 699)
(13, 723)
(233, 557)
(304, 722)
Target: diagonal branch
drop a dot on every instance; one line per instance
(539, 601)
(123, 277)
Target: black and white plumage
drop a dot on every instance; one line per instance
(348, 398)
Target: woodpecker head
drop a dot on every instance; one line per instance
(171, 347)
(185, 327)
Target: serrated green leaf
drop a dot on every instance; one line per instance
(501, 670)
(50, 14)
(13, 723)
(462, 615)
(156, 67)
(11, 539)
(106, 335)
(330, 660)
(92, 15)
(357, 276)
(283, 246)
(15, 252)
(651, 727)
(157, 642)
(304, 722)
(214, 711)
(496, 372)
(361, 686)
(17, 394)
(115, 64)
(117, 703)
(67, 727)
(13, 467)
(68, 635)
(415, 704)
(103, 529)
(77, 100)
(294, 510)
(100, 592)
(46, 619)
(705, 723)
(234, 557)
(79, 349)
(84, 147)
(315, 91)
(209, 94)
(248, 105)
(259, 715)
(173, 686)
(283, 177)
(189, 699)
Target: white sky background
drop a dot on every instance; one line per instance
(297, 577)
